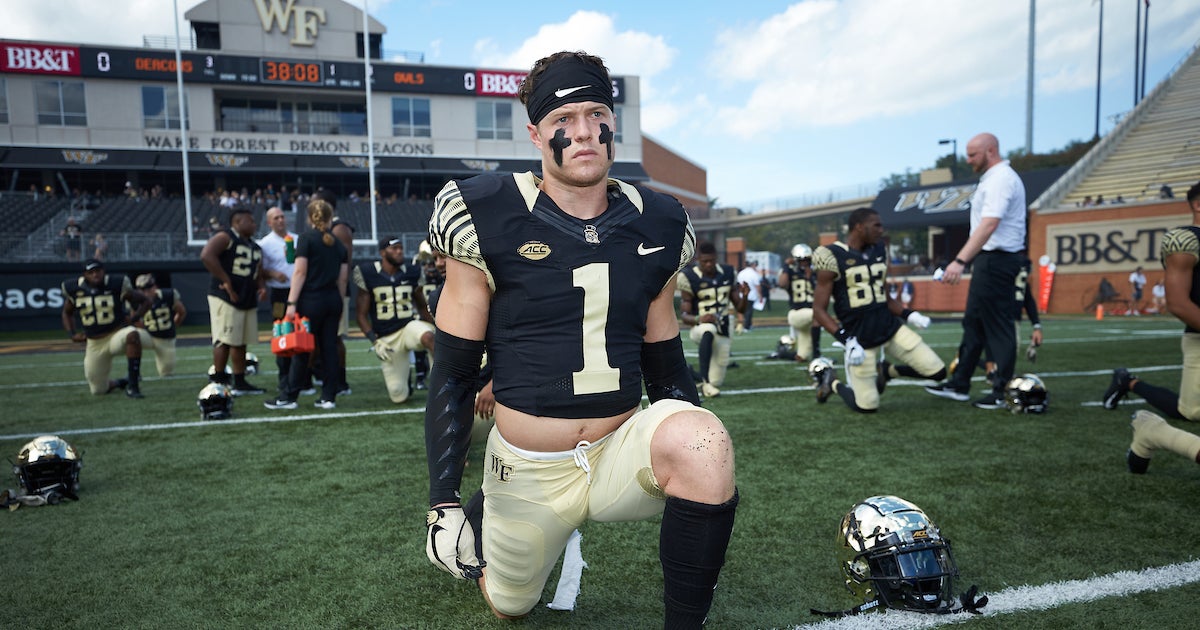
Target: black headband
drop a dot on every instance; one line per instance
(568, 80)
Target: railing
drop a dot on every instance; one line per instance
(1059, 190)
(42, 247)
(168, 41)
(804, 200)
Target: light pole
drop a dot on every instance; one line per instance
(953, 156)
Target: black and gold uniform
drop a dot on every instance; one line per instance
(799, 283)
(712, 295)
(1186, 405)
(159, 324)
(567, 317)
(242, 261)
(860, 303)
(860, 291)
(101, 312)
(395, 318)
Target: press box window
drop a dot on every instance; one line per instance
(160, 107)
(493, 120)
(410, 117)
(61, 103)
(3, 101)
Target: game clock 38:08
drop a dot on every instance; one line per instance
(291, 72)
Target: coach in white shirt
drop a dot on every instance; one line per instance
(995, 249)
(749, 275)
(279, 273)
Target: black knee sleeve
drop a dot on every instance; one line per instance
(474, 513)
(847, 394)
(1161, 398)
(691, 546)
(706, 345)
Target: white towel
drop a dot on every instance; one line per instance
(572, 571)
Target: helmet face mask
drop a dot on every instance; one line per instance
(1026, 394)
(49, 467)
(215, 402)
(891, 552)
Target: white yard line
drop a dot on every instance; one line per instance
(1028, 598)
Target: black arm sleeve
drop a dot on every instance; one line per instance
(666, 373)
(1031, 307)
(450, 413)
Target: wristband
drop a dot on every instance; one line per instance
(1037, 326)
(841, 335)
(371, 336)
(71, 334)
(960, 261)
(290, 303)
(906, 312)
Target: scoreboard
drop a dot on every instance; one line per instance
(201, 67)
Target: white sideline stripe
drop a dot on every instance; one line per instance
(897, 382)
(1030, 598)
(199, 378)
(211, 423)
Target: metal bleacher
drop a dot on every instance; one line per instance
(1157, 144)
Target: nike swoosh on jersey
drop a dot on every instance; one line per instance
(644, 251)
(564, 92)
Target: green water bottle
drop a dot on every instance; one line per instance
(290, 248)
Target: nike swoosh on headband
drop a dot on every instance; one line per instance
(567, 91)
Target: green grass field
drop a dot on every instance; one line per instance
(315, 519)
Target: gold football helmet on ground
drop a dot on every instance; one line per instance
(48, 467)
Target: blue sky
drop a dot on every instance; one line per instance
(776, 100)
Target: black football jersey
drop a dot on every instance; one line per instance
(1184, 240)
(159, 320)
(241, 261)
(799, 286)
(391, 295)
(711, 295)
(101, 309)
(570, 296)
(859, 291)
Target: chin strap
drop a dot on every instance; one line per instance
(849, 612)
(13, 499)
(967, 602)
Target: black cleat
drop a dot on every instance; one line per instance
(825, 380)
(120, 383)
(1121, 379)
(945, 390)
(245, 388)
(990, 401)
(132, 391)
(881, 376)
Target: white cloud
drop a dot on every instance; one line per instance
(835, 63)
(624, 52)
(99, 22)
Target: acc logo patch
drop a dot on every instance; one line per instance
(534, 250)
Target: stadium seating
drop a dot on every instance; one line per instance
(154, 228)
(1160, 146)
